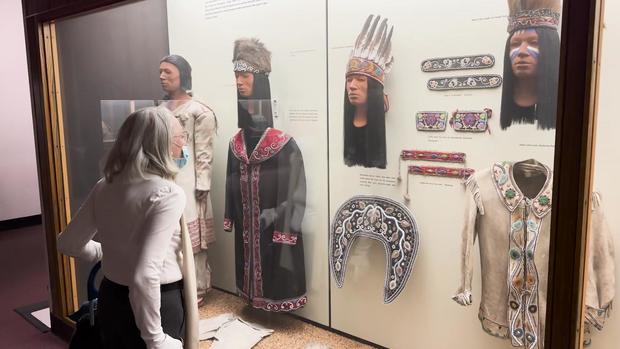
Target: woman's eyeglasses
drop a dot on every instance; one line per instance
(182, 136)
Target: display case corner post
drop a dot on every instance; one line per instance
(578, 80)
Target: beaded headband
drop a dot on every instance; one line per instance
(243, 66)
(542, 17)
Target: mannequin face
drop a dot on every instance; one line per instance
(169, 77)
(179, 138)
(357, 89)
(524, 52)
(245, 83)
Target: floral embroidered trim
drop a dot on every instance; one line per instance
(245, 203)
(270, 143)
(439, 171)
(511, 195)
(228, 224)
(284, 238)
(275, 305)
(256, 233)
(194, 228)
(523, 317)
(427, 155)
(365, 67)
(458, 63)
(466, 82)
(431, 120)
(471, 121)
(251, 229)
(380, 219)
(542, 17)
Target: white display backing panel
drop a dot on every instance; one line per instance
(294, 32)
(423, 316)
(607, 165)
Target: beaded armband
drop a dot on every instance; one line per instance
(466, 82)
(458, 63)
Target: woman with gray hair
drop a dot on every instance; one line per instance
(135, 212)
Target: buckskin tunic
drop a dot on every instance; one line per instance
(513, 235)
(265, 203)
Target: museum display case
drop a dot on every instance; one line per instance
(384, 170)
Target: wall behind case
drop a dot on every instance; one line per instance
(606, 165)
(109, 54)
(19, 188)
(204, 32)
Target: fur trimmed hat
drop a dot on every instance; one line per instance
(251, 55)
(525, 14)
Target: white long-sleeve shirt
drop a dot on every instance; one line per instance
(137, 224)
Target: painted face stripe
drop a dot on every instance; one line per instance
(532, 51)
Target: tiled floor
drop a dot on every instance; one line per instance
(24, 280)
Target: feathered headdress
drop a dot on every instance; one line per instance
(533, 13)
(372, 54)
(250, 55)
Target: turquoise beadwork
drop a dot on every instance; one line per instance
(544, 200)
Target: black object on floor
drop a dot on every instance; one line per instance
(26, 313)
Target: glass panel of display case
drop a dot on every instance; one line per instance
(102, 60)
(601, 324)
(271, 85)
(441, 146)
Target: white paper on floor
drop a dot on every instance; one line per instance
(231, 332)
(43, 315)
(208, 327)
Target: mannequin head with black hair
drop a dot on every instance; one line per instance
(253, 101)
(531, 63)
(252, 65)
(175, 76)
(365, 103)
(364, 122)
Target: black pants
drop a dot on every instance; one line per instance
(116, 320)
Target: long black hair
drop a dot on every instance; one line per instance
(185, 71)
(261, 96)
(370, 151)
(545, 109)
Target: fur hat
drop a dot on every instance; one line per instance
(250, 55)
(533, 13)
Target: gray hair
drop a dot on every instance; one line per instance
(143, 146)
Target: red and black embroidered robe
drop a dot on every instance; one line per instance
(265, 203)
